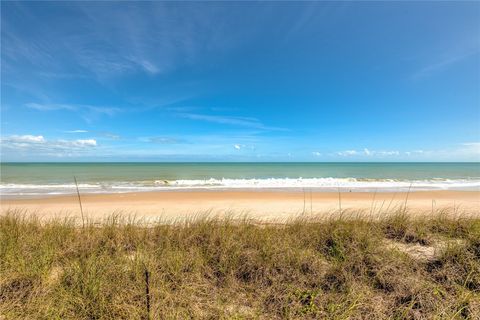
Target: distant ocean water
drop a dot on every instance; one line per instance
(37, 179)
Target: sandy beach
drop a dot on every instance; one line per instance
(265, 205)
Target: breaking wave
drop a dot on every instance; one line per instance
(315, 184)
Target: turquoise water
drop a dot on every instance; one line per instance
(57, 178)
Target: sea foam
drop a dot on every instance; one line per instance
(313, 184)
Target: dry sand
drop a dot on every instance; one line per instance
(265, 205)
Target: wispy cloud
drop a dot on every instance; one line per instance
(468, 151)
(444, 63)
(230, 120)
(241, 121)
(472, 148)
(110, 135)
(76, 131)
(50, 107)
(114, 39)
(149, 67)
(110, 111)
(162, 140)
(87, 112)
(316, 153)
(310, 15)
(474, 145)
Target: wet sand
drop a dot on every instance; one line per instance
(263, 205)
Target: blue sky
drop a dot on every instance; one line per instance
(250, 81)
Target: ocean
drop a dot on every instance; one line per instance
(37, 179)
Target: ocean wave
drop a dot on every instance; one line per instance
(315, 184)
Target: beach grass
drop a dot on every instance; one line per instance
(399, 266)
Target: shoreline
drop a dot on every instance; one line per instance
(262, 205)
(320, 185)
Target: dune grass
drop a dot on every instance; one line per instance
(396, 267)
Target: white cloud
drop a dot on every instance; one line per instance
(237, 146)
(316, 153)
(387, 153)
(347, 153)
(81, 143)
(468, 151)
(38, 145)
(367, 152)
(26, 139)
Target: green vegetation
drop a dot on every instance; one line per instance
(394, 268)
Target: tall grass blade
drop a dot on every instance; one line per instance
(79, 201)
